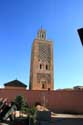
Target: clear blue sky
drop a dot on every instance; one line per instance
(19, 22)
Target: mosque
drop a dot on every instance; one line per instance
(41, 83)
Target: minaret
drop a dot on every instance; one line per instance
(41, 70)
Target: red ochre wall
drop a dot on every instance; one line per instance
(58, 100)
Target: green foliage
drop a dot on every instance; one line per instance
(20, 102)
(23, 106)
(31, 111)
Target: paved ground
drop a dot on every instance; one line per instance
(3, 124)
(67, 116)
(58, 119)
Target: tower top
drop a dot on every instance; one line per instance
(41, 35)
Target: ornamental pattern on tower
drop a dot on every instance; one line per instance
(44, 52)
(41, 70)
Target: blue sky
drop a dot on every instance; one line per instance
(19, 22)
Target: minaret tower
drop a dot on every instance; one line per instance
(41, 70)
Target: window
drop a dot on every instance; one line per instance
(42, 36)
(46, 67)
(40, 66)
(43, 86)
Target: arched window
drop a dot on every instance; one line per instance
(43, 86)
(46, 67)
(42, 35)
(40, 66)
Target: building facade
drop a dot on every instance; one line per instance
(41, 70)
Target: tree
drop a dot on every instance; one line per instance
(20, 103)
(23, 107)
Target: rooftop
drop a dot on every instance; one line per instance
(15, 83)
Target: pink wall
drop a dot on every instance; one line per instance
(59, 100)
